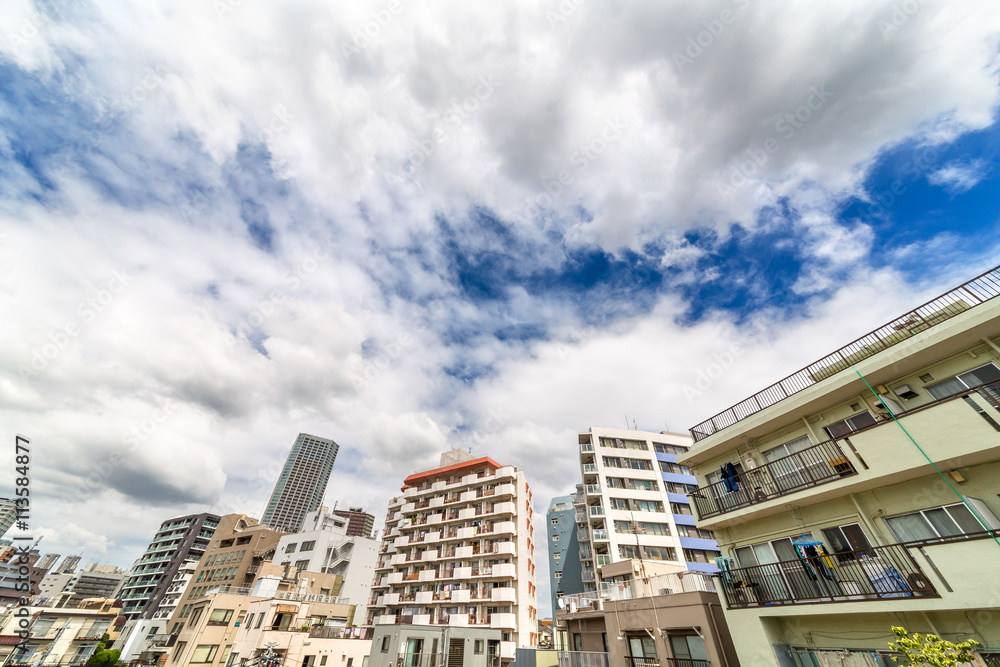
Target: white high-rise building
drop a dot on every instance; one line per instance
(634, 503)
(324, 545)
(458, 552)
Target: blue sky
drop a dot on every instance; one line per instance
(478, 229)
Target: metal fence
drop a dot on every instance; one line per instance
(874, 573)
(969, 295)
(824, 462)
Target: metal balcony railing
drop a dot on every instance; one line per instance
(975, 292)
(818, 464)
(876, 573)
(583, 659)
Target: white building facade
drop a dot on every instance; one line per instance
(458, 551)
(634, 504)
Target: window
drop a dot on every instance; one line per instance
(641, 646)
(615, 482)
(250, 621)
(691, 531)
(322, 660)
(676, 468)
(204, 653)
(290, 549)
(478, 647)
(947, 521)
(558, 575)
(846, 539)
(622, 443)
(643, 484)
(308, 546)
(680, 508)
(792, 473)
(698, 555)
(628, 551)
(260, 619)
(668, 449)
(195, 615)
(301, 565)
(649, 506)
(688, 648)
(220, 617)
(660, 553)
(977, 376)
(619, 503)
(385, 644)
(225, 654)
(849, 425)
(180, 651)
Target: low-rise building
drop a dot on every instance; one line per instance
(64, 636)
(642, 616)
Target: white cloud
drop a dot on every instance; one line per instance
(957, 177)
(355, 326)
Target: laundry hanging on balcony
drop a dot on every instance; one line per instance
(730, 479)
(815, 559)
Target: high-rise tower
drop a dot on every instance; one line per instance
(302, 483)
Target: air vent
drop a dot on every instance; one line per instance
(855, 407)
(926, 377)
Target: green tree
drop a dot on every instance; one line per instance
(105, 658)
(930, 650)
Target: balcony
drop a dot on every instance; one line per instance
(818, 464)
(603, 559)
(596, 510)
(586, 448)
(978, 291)
(586, 555)
(600, 535)
(589, 469)
(587, 575)
(665, 662)
(877, 573)
(593, 489)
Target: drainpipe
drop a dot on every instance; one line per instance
(716, 635)
(869, 521)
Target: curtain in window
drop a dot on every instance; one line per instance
(910, 527)
(946, 388)
(942, 523)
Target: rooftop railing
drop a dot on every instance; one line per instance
(661, 584)
(977, 291)
(819, 464)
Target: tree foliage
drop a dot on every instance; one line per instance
(930, 650)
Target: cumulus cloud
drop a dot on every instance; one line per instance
(478, 226)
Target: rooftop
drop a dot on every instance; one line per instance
(965, 297)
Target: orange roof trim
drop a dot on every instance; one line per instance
(437, 472)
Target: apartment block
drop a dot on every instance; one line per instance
(861, 492)
(564, 562)
(8, 514)
(178, 540)
(301, 484)
(634, 504)
(63, 636)
(359, 522)
(325, 544)
(238, 549)
(645, 619)
(458, 550)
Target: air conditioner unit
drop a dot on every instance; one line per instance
(905, 391)
(599, 604)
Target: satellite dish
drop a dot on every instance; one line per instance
(562, 603)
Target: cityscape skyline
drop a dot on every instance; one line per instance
(476, 227)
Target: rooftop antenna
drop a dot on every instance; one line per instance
(626, 421)
(634, 427)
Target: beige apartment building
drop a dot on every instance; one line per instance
(861, 492)
(458, 550)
